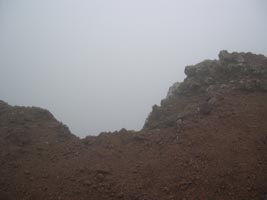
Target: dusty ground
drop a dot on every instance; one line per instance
(208, 140)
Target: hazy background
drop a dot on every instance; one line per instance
(100, 65)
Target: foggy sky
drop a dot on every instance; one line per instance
(100, 65)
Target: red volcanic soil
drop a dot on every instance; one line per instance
(207, 140)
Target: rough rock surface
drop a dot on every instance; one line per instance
(233, 72)
(207, 140)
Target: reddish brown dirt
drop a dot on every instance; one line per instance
(215, 151)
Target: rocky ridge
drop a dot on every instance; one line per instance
(207, 140)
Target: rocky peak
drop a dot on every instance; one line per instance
(206, 80)
(233, 71)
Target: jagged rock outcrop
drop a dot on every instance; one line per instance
(173, 90)
(233, 71)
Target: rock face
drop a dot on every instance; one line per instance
(172, 90)
(207, 140)
(232, 72)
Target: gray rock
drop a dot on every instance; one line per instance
(209, 80)
(253, 85)
(224, 56)
(190, 70)
(173, 90)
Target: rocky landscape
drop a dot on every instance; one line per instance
(206, 141)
